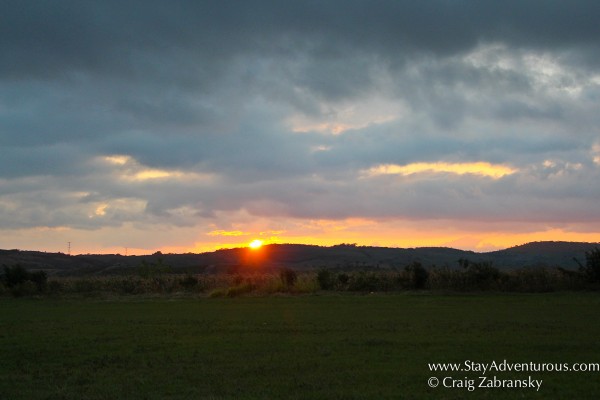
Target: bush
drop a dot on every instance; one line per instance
(128, 286)
(366, 282)
(14, 276)
(480, 275)
(343, 279)
(219, 292)
(26, 288)
(238, 290)
(55, 287)
(417, 275)
(325, 279)
(189, 282)
(288, 277)
(39, 278)
(306, 283)
(591, 269)
(539, 280)
(153, 269)
(20, 282)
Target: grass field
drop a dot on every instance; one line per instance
(299, 347)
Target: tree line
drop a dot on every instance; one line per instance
(158, 278)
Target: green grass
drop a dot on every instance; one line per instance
(302, 347)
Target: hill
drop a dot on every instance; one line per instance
(543, 253)
(301, 257)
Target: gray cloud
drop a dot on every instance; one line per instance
(251, 94)
(200, 39)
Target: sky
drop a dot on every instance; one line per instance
(188, 126)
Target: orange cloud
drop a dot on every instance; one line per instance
(128, 168)
(486, 169)
(221, 232)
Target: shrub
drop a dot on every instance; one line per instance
(26, 288)
(288, 277)
(417, 275)
(189, 282)
(481, 275)
(14, 275)
(153, 269)
(238, 290)
(128, 286)
(219, 292)
(591, 269)
(306, 283)
(55, 287)
(343, 279)
(20, 282)
(325, 279)
(365, 282)
(272, 285)
(540, 279)
(39, 278)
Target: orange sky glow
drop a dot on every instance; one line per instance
(363, 232)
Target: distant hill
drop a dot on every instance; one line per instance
(302, 257)
(543, 253)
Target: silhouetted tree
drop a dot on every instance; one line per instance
(482, 274)
(14, 275)
(17, 277)
(417, 275)
(39, 278)
(591, 269)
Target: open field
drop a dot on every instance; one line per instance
(292, 347)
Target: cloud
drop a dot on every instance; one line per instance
(476, 168)
(222, 232)
(129, 169)
(190, 115)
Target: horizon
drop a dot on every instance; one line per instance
(502, 242)
(251, 247)
(189, 127)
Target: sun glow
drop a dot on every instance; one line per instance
(255, 244)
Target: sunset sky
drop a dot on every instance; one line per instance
(188, 126)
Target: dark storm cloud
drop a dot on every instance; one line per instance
(114, 37)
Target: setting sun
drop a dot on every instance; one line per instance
(255, 244)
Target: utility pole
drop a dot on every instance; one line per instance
(69, 248)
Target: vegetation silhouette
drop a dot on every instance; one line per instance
(591, 269)
(157, 277)
(21, 282)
